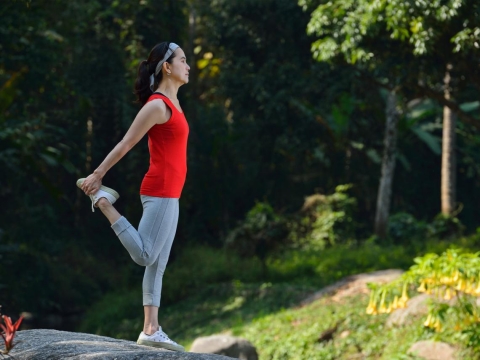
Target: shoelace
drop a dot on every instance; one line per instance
(165, 336)
(93, 200)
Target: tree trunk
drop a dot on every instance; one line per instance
(448, 193)
(388, 166)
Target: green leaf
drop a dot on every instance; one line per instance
(430, 140)
(470, 106)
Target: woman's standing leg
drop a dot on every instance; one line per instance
(150, 247)
(152, 280)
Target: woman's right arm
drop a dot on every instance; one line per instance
(154, 112)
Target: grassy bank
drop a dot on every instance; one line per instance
(210, 291)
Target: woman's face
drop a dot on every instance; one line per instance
(179, 68)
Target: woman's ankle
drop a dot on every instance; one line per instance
(150, 329)
(103, 203)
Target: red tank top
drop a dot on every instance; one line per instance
(167, 144)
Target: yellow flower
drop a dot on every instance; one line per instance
(460, 285)
(477, 290)
(389, 308)
(448, 294)
(395, 303)
(404, 297)
(428, 322)
(372, 308)
(446, 280)
(382, 309)
(469, 288)
(422, 287)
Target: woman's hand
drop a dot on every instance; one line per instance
(92, 184)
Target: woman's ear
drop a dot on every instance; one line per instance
(166, 67)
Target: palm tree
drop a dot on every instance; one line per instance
(448, 193)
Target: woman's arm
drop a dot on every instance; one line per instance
(154, 112)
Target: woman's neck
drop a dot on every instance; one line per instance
(168, 89)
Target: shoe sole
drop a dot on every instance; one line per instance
(104, 188)
(162, 345)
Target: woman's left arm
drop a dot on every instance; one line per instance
(151, 114)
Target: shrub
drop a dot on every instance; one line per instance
(403, 226)
(444, 226)
(324, 220)
(260, 233)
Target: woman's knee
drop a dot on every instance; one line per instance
(143, 260)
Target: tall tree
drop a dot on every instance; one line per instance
(370, 34)
(448, 188)
(388, 165)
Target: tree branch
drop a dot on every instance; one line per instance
(432, 94)
(462, 115)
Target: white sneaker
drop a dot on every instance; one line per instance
(105, 192)
(159, 339)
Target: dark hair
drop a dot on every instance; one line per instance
(147, 68)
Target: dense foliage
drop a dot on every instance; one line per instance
(270, 126)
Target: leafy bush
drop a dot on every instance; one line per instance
(324, 220)
(444, 226)
(403, 226)
(260, 233)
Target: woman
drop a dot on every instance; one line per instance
(161, 116)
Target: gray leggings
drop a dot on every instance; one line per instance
(150, 245)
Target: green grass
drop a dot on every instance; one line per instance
(294, 333)
(211, 310)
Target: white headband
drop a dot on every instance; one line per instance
(171, 48)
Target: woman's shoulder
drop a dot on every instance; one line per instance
(158, 109)
(155, 103)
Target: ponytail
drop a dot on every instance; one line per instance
(142, 83)
(147, 67)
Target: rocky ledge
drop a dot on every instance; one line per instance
(53, 344)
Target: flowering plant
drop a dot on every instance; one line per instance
(452, 278)
(8, 330)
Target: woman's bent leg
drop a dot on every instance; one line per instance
(145, 245)
(108, 210)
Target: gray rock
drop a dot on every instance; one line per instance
(225, 345)
(353, 285)
(53, 345)
(432, 350)
(416, 307)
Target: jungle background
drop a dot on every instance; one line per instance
(294, 110)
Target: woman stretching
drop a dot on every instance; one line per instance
(161, 116)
